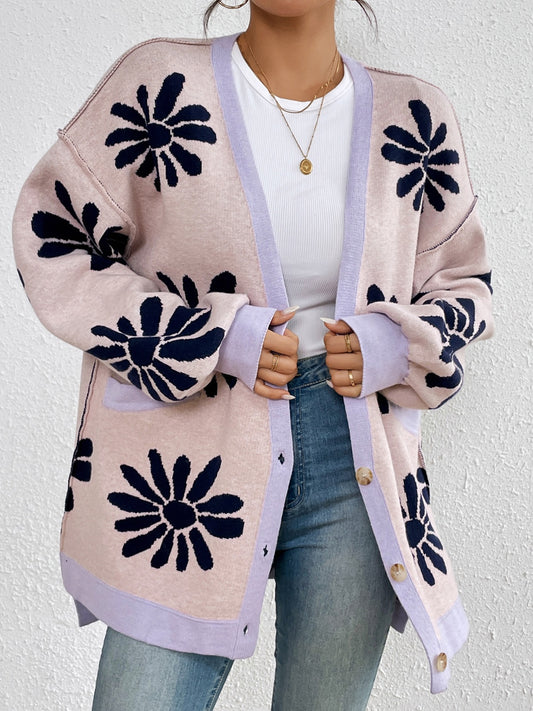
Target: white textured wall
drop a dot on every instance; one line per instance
(478, 447)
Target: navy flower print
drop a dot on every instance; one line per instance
(153, 132)
(60, 236)
(81, 468)
(383, 404)
(423, 541)
(147, 358)
(224, 282)
(374, 294)
(457, 328)
(486, 279)
(176, 515)
(421, 150)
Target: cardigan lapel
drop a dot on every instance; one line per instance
(355, 205)
(354, 220)
(264, 236)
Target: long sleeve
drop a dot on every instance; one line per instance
(72, 244)
(413, 345)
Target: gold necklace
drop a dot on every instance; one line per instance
(324, 86)
(305, 164)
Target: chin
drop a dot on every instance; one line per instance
(290, 8)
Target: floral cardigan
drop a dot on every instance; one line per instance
(143, 238)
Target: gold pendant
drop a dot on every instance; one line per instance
(306, 166)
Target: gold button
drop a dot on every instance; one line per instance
(364, 476)
(398, 572)
(442, 662)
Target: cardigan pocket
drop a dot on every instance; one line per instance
(128, 398)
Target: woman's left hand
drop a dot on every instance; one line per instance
(344, 359)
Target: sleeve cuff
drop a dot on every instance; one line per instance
(241, 348)
(384, 348)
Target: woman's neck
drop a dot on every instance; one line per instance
(295, 53)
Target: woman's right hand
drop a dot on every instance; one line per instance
(278, 360)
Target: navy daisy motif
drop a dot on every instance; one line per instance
(155, 134)
(374, 294)
(383, 404)
(486, 279)
(457, 328)
(224, 282)
(175, 515)
(426, 152)
(81, 468)
(147, 357)
(60, 236)
(423, 541)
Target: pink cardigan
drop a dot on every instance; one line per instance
(143, 238)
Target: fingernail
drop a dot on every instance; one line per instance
(290, 310)
(328, 382)
(287, 397)
(327, 320)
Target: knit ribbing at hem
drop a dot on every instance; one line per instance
(149, 622)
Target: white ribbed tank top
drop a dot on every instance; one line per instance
(306, 211)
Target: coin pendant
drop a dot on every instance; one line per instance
(306, 166)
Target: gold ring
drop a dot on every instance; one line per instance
(275, 361)
(349, 348)
(352, 381)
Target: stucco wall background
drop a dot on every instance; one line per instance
(478, 448)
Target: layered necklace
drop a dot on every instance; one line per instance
(305, 164)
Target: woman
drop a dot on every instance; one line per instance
(203, 190)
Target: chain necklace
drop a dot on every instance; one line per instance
(324, 86)
(305, 164)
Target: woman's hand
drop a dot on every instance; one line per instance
(343, 358)
(278, 360)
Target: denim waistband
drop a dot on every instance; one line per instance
(311, 370)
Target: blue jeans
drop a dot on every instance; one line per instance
(333, 600)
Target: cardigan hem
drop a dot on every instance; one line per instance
(149, 622)
(453, 632)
